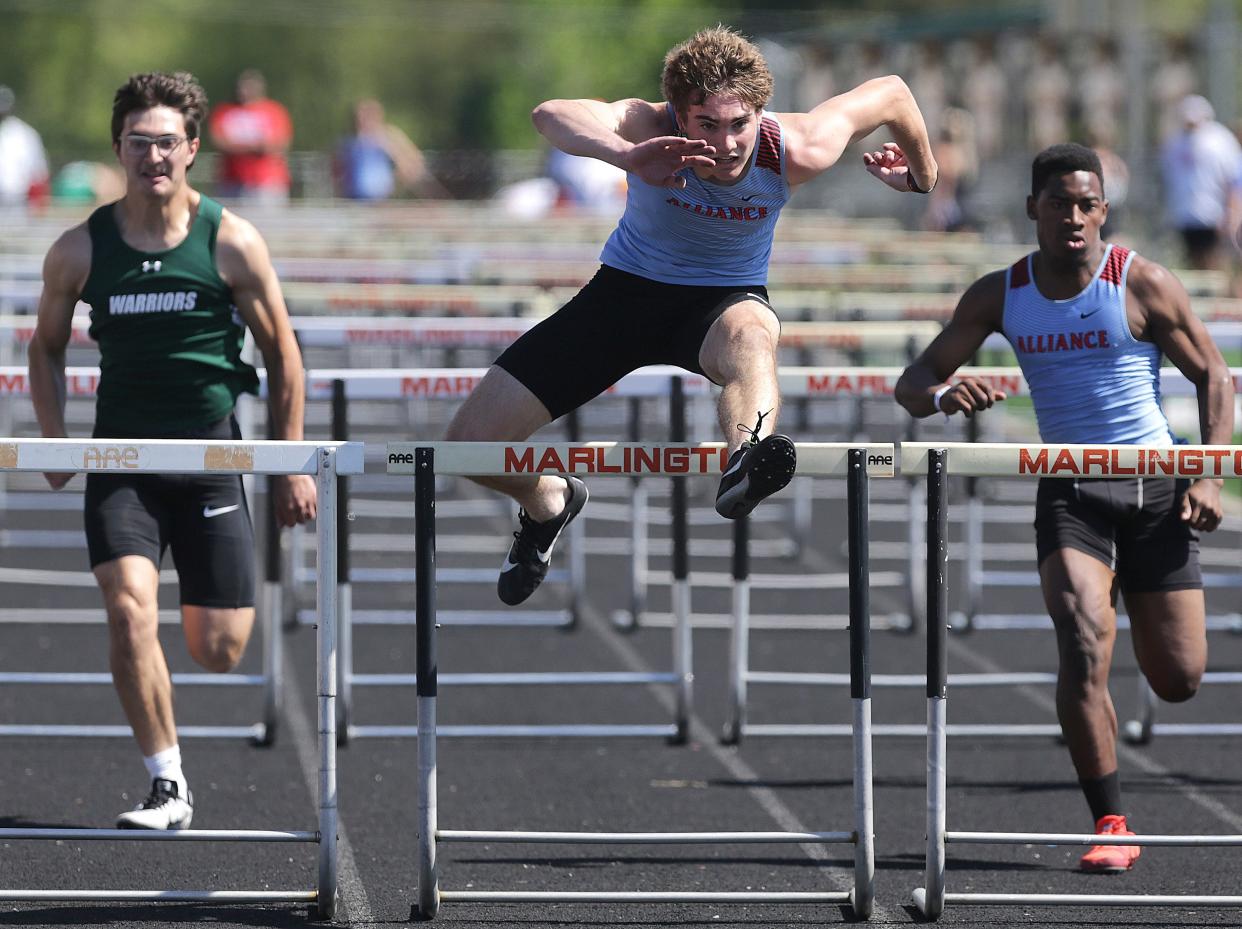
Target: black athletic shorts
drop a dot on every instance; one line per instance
(1133, 525)
(202, 517)
(617, 323)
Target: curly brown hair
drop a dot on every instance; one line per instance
(716, 61)
(179, 90)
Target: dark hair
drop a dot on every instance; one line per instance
(179, 91)
(716, 61)
(1065, 158)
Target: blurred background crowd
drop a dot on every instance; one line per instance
(386, 99)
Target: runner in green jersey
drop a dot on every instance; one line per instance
(173, 280)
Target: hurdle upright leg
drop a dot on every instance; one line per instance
(272, 618)
(344, 589)
(425, 632)
(862, 898)
(325, 527)
(683, 662)
(930, 899)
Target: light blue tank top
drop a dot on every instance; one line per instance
(1091, 381)
(706, 234)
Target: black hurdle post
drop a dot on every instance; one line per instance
(860, 572)
(274, 618)
(682, 639)
(937, 675)
(344, 589)
(859, 535)
(428, 901)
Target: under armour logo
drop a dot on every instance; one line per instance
(148, 266)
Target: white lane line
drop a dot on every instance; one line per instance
(766, 797)
(355, 906)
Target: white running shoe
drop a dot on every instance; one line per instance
(163, 809)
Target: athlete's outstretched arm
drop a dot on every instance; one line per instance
(629, 134)
(65, 270)
(977, 316)
(816, 140)
(1172, 325)
(247, 268)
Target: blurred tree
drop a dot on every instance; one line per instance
(455, 74)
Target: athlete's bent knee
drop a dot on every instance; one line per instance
(219, 654)
(1176, 687)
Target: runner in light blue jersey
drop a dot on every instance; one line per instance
(1089, 322)
(683, 276)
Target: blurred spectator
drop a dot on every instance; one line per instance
(378, 158)
(1102, 94)
(252, 135)
(88, 182)
(957, 157)
(1173, 80)
(985, 93)
(1047, 97)
(1202, 166)
(817, 82)
(569, 181)
(1116, 177)
(23, 162)
(587, 183)
(927, 81)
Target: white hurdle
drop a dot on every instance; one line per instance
(1029, 461)
(634, 460)
(172, 456)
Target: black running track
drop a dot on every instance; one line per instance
(1174, 785)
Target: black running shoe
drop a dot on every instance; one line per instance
(757, 470)
(164, 808)
(526, 565)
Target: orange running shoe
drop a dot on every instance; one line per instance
(1110, 859)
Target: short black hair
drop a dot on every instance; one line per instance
(1065, 158)
(179, 90)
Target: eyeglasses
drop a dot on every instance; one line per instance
(137, 144)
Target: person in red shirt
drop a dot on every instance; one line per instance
(252, 136)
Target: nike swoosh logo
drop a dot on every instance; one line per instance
(748, 199)
(1092, 313)
(209, 512)
(510, 564)
(740, 459)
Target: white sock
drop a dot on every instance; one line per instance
(167, 765)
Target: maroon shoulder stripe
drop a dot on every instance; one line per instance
(1116, 262)
(1019, 274)
(769, 154)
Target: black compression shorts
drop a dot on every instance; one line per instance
(617, 323)
(202, 517)
(1133, 525)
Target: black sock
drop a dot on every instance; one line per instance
(1103, 795)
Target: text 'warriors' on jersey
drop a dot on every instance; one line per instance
(1091, 380)
(705, 234)
(170, 339)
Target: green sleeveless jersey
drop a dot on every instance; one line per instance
(169, 336)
